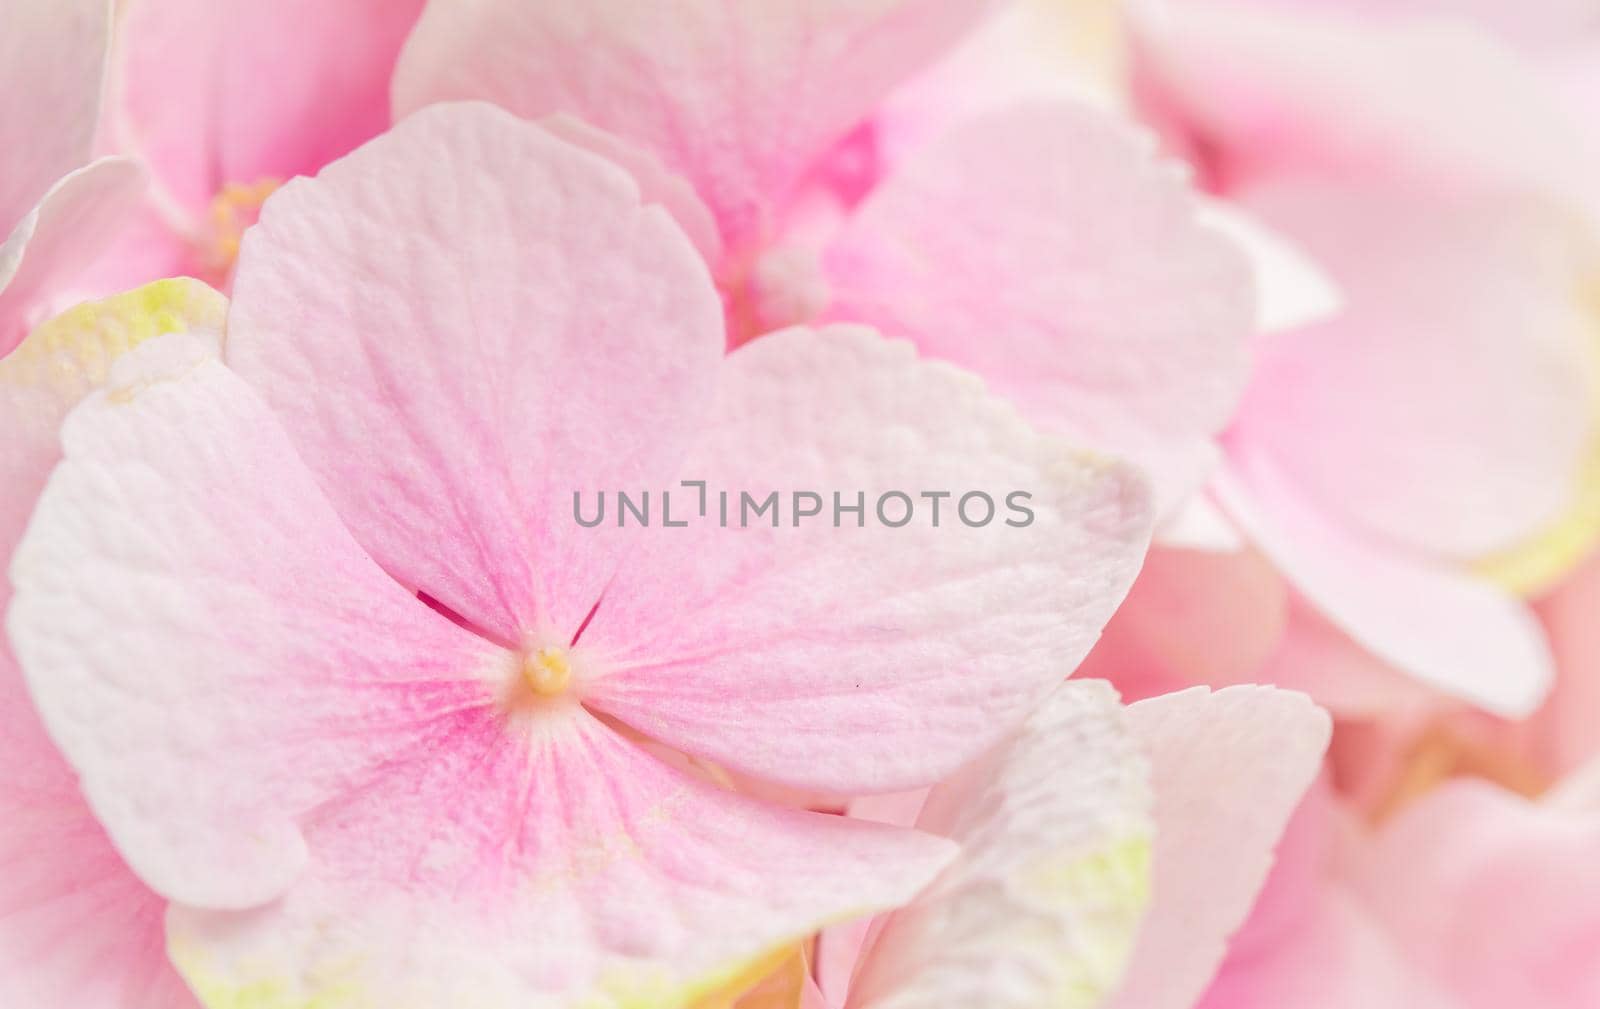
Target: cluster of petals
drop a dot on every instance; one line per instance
(319, 318)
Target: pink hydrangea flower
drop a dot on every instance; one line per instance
(58, 208)
(1050, 901)
(225, 100)
(1471, 898)
(346, 682)
(1038, 242)
(1428, 455)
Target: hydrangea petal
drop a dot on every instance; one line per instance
(1491, 893)
(495, 323)
(77, 928)
(1458, 633)
(1338, 959)
(65, 359)
(616, 882)
(1292, 290)
(218, 91)
(740, 99)
(1214, 844)
(1563, 730)
(657, 183)
(1470, 340)
(862, 659)
(1052, 254)
(53, 243)
(164, 633)
(1042, 906)
(1193, 617)
(1270, 90)
(52, 63)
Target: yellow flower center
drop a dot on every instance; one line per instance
(235, 207)
(548, 672)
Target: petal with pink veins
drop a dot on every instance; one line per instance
(495, 323)
(863, 657)
(181, 559)
(345, 790)
(431, 889)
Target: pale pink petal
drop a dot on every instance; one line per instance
(77, 929)
(1299, 880)
(839, 949)
(1578, 791)
(1324, 93)
(565, 868)
(52, 62)
(1316, 657)
(1492, 894)
(1453, 631)
(1199, 524)
(1533, 21)
(1029, 49)
(657, 183)
(740, 99)
(1308, 944)
(186, 600)
(1228, 770)
(494, 324)
(55, 241)
(1196, 616)
(1340, 959)
(862, 659)
(1048, 250)
(218, 91)
(838, 955)
(1564, 728)
(64, 360)
(1046, 897)
(1453, 406)
(1291, 289)
(144, 248)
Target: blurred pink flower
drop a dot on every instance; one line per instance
(1428, 455)
(347, 790)
(1037, 242)
(1470, 898)
(225, 100)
